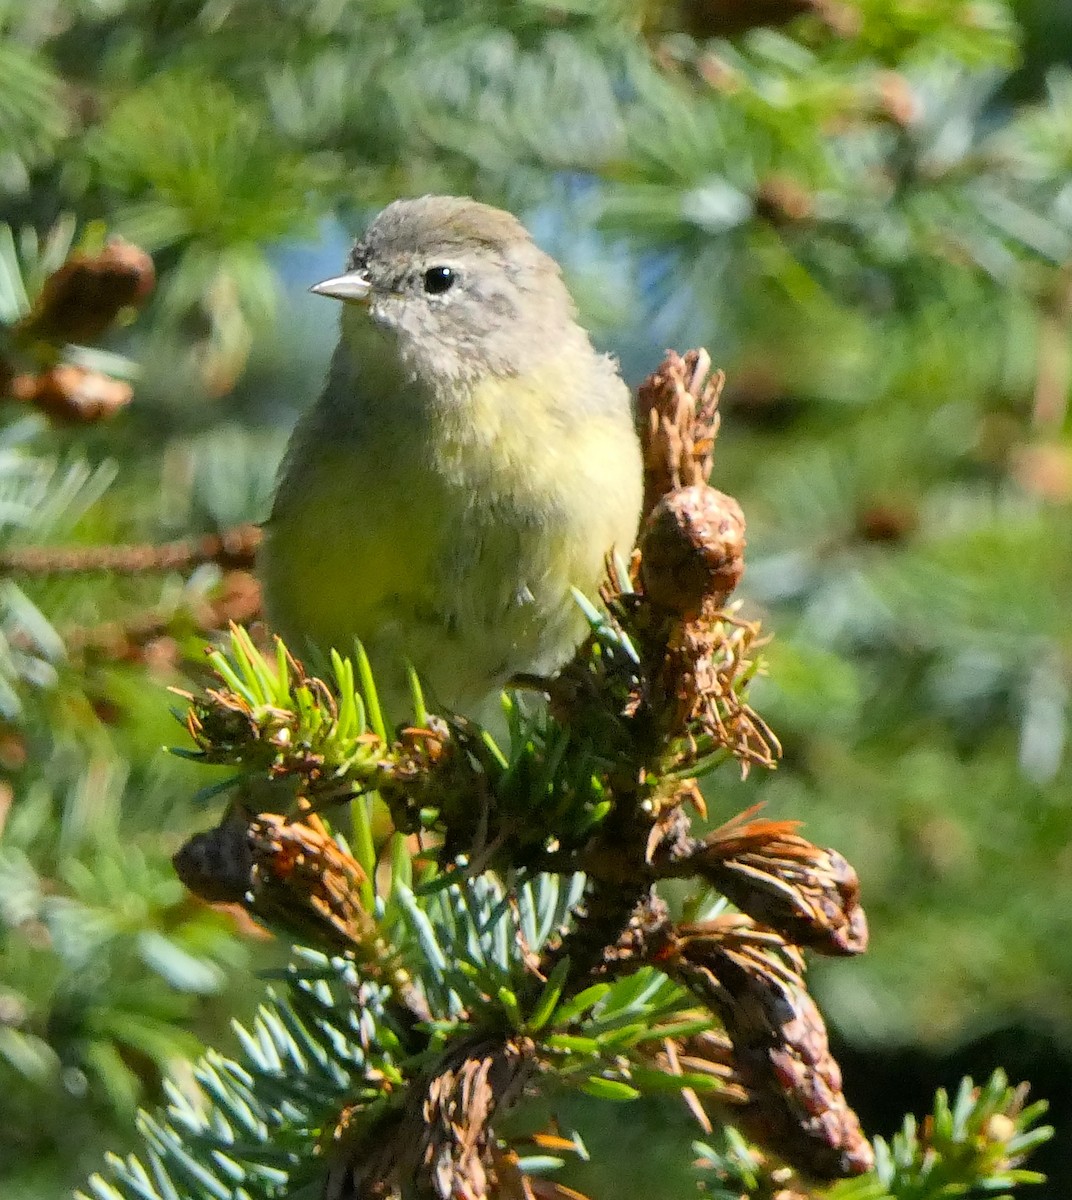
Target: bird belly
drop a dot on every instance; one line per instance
(460, 563)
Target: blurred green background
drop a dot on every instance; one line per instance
(863, 210)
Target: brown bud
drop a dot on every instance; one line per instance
(729, 18)
(14, 751)
(72, 394)
(783, 201)
(83, 298)
(718, 74)
(692, 549)
(161, 656)
(237, 546)
(238, 599)
(1043, 470)
(897, 102)
(887, 521)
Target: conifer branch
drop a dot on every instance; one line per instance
(577, 974)
(232, 549)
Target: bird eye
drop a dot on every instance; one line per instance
(438, 280)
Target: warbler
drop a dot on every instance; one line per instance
(470, 459)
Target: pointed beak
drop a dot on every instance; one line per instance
(353, 288)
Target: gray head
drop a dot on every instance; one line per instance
(461, 285)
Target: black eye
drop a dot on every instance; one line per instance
(438, 280)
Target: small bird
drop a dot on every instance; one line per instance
(470, 458)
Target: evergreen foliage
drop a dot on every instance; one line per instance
(861, 208)
(440, 965)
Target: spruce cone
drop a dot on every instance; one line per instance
(897, 102)
(810, 895)
(795, 1108)
(292, 874)
(692, 550)
(440, 1143)
(782, 200)
(83, 298)
(73, 394)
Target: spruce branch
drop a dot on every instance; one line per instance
(854, 214)
(656, 692)
(232, 549)
(506, 922)
(150, 637)
(974, 1142)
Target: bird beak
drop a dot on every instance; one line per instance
(353, 288)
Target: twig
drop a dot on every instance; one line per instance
(233, 548)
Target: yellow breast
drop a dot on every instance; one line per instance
(455, 541)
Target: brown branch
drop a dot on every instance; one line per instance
(139, 638)
(233, 548)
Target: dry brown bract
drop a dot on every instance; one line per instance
(289, 873)
(677, 407)
(707, 662)
(781, 1055)
(441, 1143)
(810, 895)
